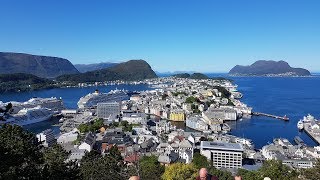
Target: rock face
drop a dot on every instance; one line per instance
(92, 67)
(128, 71)
(41, 66)
(268, 68)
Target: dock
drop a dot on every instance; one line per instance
(285, 118)
(315, 137)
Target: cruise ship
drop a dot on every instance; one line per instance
(300, 125)
(93, 99)
(28, 116)
(306, 119)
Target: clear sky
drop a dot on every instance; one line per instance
(172, 35)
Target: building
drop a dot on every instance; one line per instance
(88, 143)
(197, 124)
(68, 137)
(225, 114)
(177, 116)
(69, 112)
(47, 138)
(222, 155)
(134, 118)
(108, 110)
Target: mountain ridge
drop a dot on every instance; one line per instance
(94, 66)
(38, 65)
(131, 70)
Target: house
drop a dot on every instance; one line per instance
(88, 143)
(168, 158)
(116, 137)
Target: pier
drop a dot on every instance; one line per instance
(285, 118)
(314, 136)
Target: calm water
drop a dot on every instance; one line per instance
(294, 97)
(70, 98)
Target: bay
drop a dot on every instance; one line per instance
(291, 96)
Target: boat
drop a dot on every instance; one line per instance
(300, 124)
(28, 116)
(308, 119)
(299, 141)
(92, 99)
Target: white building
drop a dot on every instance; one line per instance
(47, 138)
(226, 155)
(88, 143)
(68, 137)
(134, 118)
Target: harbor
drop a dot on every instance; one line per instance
(311, 126)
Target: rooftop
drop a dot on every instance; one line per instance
(221, 146)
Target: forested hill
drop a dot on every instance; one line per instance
(128, 71)
(41, 66)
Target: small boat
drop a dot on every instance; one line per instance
(299, 141)
(300, 125)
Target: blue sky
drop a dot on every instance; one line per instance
(172, 35)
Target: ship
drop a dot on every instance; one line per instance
(28, 116)
(92, 99)
(300, 125)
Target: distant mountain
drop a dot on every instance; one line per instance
(41, 66)
(128, 71)
(23, 82)
(92, 67)
(268, 68)
(191, 76)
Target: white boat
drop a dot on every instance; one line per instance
(300, 125)
(308, 119)
(28, 116)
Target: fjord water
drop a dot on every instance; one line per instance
(294, 97)
(70, 98)
(291, 96)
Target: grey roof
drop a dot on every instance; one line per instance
(168, 157)
(221, 146)
(185, 144)
(90, 138)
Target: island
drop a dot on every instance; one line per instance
(268, 68)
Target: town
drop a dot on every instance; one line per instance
(176, 119)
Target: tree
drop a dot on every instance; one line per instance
(55, 165)
(20, 154)
(93, 166)
(200, 161)
(245, 174)
(179, 171)
(150, 168)
(109, 167)
(274, 169)
(191, 99)
(312, 173)
(223, 175)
